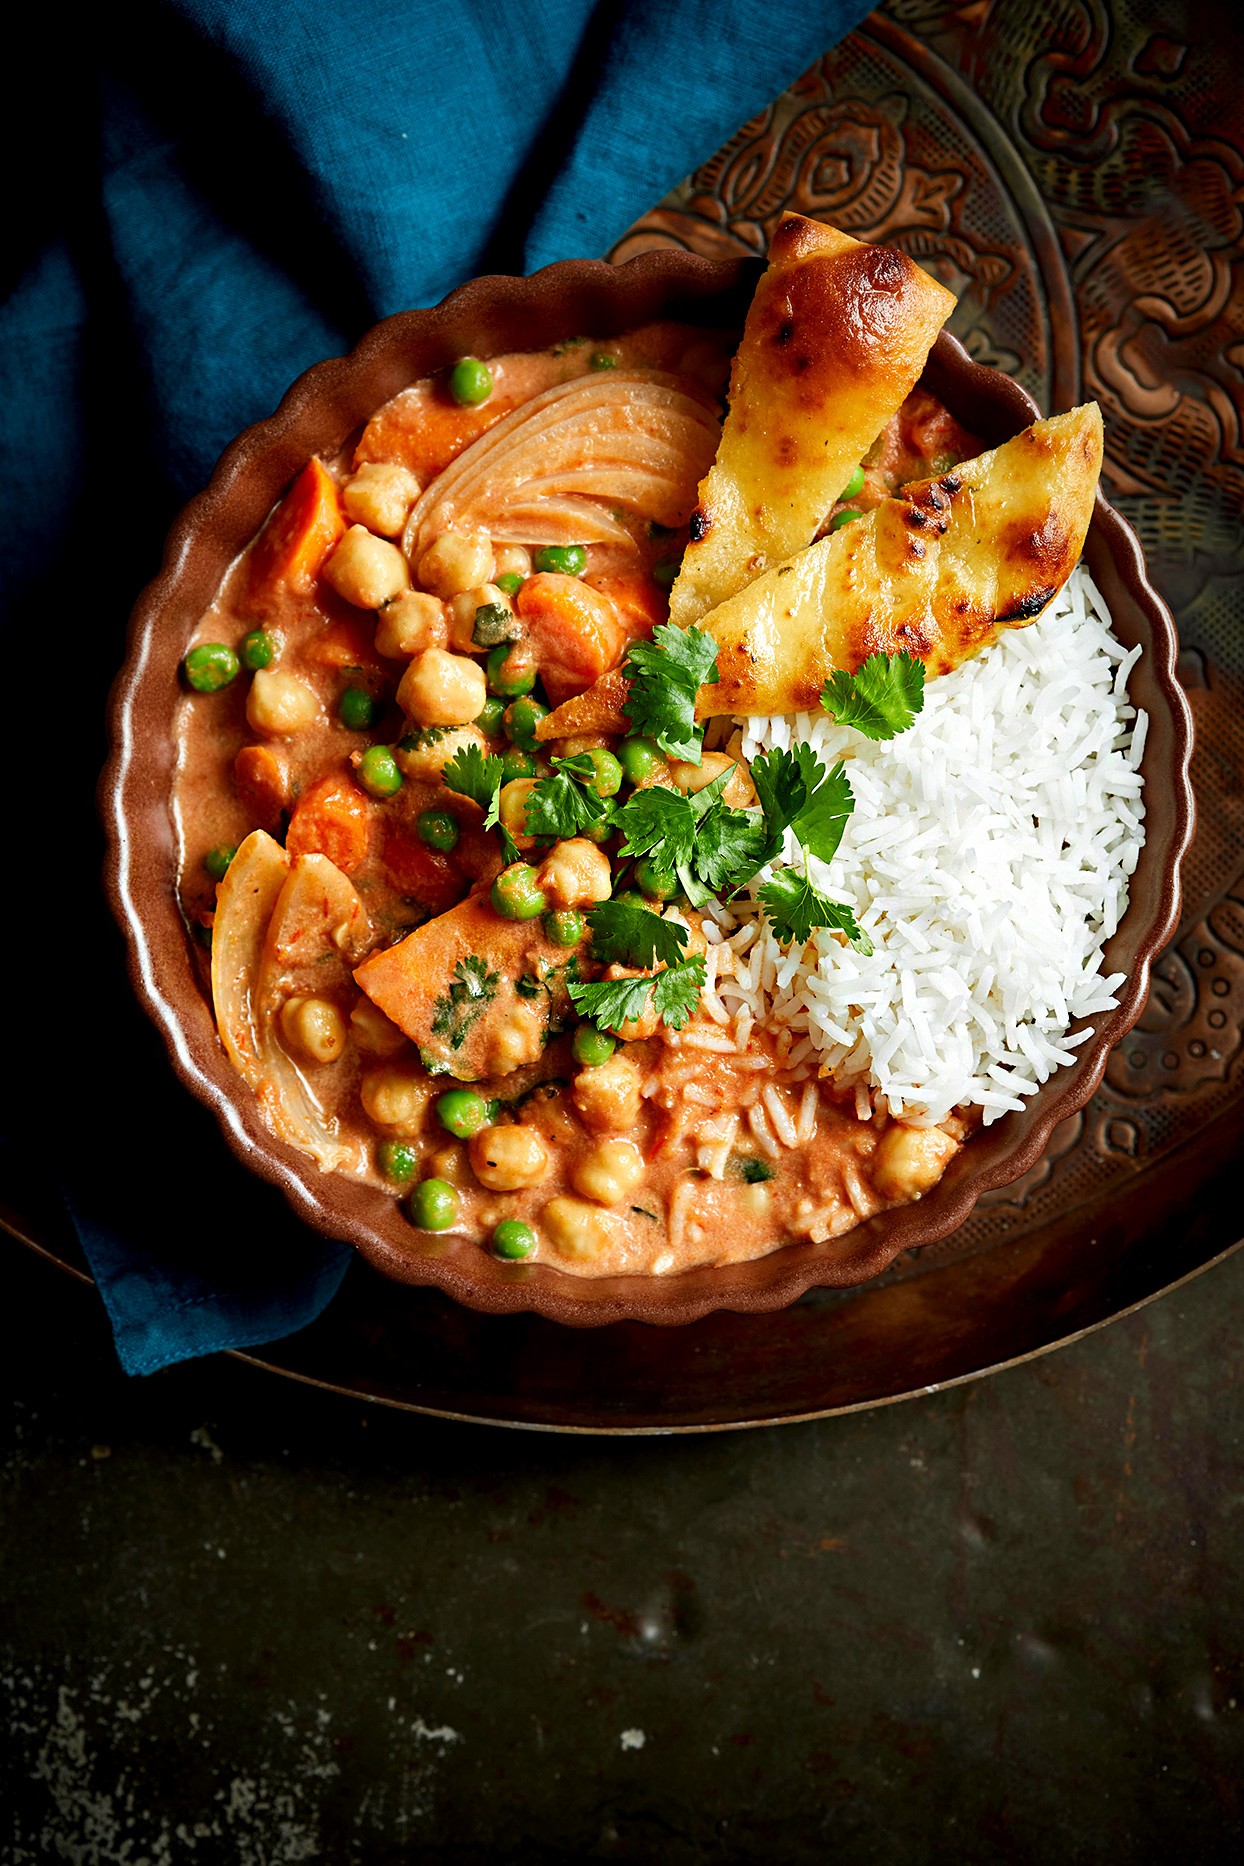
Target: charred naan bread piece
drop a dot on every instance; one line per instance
(835, 338)
(939, 571)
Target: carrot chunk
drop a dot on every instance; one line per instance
(262, 781)
(576, 631)
(640, 603)
(349, 642)
(332, 818)
(292, 546)
(424, 874)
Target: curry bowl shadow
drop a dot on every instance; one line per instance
(321, 410)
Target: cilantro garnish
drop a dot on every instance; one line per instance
(480, 777)
(461, 1007)
(666, 674)
(675, 992)
(796, 910)
(796, 792)
(566, 803)
(626, 934)
(882, 699)
(710, 847)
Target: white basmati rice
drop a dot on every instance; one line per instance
(988, 859)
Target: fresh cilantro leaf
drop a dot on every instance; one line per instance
(473, 775)
(666, 674)
(462, 1005)
(730, 846)
(820, 823)
(676, 991)
(624, 934)
(566, 803)
(882, 699)
(710, 847)
(796, 792)
(796, 909)
(614, 1002)
(479, 777)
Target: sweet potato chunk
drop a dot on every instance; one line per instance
(292, 546)
(480, 995)
(332, 818)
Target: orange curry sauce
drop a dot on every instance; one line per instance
(696, 1147)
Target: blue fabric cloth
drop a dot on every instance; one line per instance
(244, 188)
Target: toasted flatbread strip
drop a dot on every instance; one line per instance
(939, 571)
(835, 338)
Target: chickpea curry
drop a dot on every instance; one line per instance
(464, 946)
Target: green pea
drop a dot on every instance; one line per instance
(755, 1172)
(470, 382)
(378, 772)
(510, 582)
(598, 832)
(601, 359)
(844, 518)
(258, 649)
(462, 1113)
(494, 623)
(853, 486)
(210, 666)
(570, 560)
(608, 779)
(397, 1161)
(439, 829)
(510, 671)
(516, 895)
(631, 897)
(639, 758)
(592, 1047)
(433, 1205)
(217, 860)
(564, 926)
(665, 572)
(654, 881)
(489, 721)
(358, 709)
(516, 764)
(521, 719)
(512, 1238)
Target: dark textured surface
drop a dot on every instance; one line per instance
(249, 1623)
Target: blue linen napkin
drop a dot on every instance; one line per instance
(244, 188)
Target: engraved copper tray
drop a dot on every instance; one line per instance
(1084, 200)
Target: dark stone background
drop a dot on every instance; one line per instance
(248, 1622)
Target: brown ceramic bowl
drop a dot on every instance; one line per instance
(324, 406)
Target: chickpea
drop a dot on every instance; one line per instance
(739, 791)
(412, 622)
(575, 873)
(512, 809)
(366, 570)
(575, 1229)
(462, 608)
(576, 745)
(380, 496)
(513, 560)
(506, 1159)
(457, 560)
(608, 1096)
(278, 705)
(313, 1028)
(442, 689)
(609, 1172)
(909, 1161)
(515, 1039)
(450, 1164)
(373, 1032)
(396, 1098)
(427, 761)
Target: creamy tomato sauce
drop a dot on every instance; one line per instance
(359, 679)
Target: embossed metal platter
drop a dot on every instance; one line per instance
(1083, 197)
